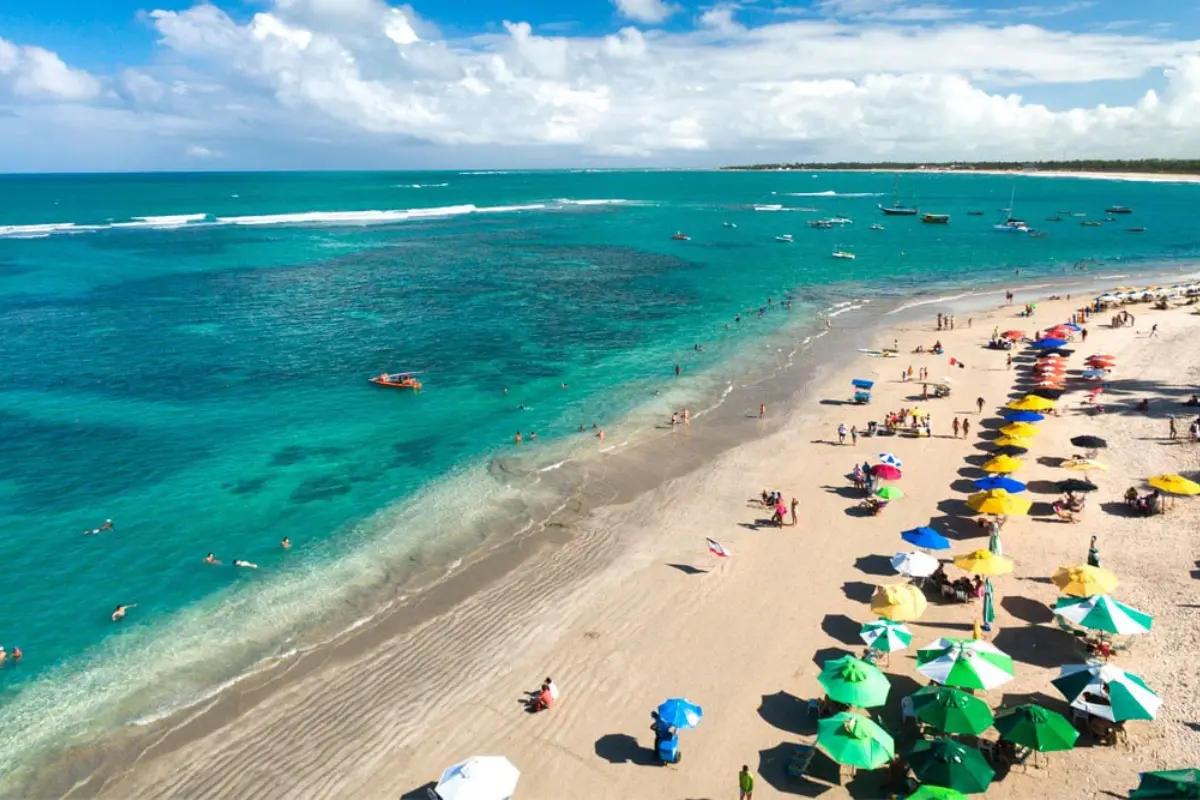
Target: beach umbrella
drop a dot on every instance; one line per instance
(1165, 784)
(885, 635)
(898, 602)
(1005, 442)
(989, 598)
(1036, 728)
(927, 538)
(915, 565)
(855, 741)
(1002, 464)
(1089, 442)
(1022, 429)
(944, 762)
(1093, 374)
(927, 792)
(862, 383)
(1048, 344)
(886, 472)
(1023, 416)
(479, 778)
(1102, 613)
(1104, 363)
(1128, 695)
(854, 682)
(1084, 465)
(889, 493)
(1010, 485)
(1013, 335)
(889, 458)
(1084, 581)
(1174, 484)
(1060, 352)
(1049, 383)
(966, 663)
(951, 710)
(999, 503)
(680, 713)
(1076, 485)
(1031, 402)
(984, 562)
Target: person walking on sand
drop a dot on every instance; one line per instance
(1153, 331)
(966, 427)
(795, 505)
(841, 432)
(1008, 361)
(762, 411)
(854, 435)
(979, 402)
(954, 426)
(745, 784)
(1174, 433)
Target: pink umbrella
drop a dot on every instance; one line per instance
(885, 472)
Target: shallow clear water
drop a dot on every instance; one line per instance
(200, 375)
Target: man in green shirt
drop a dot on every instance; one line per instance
(746, 783)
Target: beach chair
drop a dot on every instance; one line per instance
(801, 758)
(907, 712)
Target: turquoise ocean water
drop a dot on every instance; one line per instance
(188, 355)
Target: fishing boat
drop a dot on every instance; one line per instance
(1118, 210)
(680, 236)
(820, 223)
(935, 219)
(877, 227)
(786, 238)
(397, 380)
(840, 253)
(1090, 224)
(895, 209)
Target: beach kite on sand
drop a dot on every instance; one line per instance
(716, 549)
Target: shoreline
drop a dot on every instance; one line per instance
(588, 551)
(1134, 177)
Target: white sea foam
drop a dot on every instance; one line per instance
(420, 185)
(930, 301)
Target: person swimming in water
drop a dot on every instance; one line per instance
(107, 526)
(286, 544)
(211, 559)
(119, 614)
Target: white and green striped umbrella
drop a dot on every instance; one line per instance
(1128, 695)
(1101, 613)
(966, 663)
(886, 636)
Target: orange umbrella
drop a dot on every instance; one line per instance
(1102, 355)
(1013, 335)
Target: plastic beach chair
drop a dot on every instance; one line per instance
(798, 764)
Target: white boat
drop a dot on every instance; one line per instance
(841, 220)
(1010, 224)
(846, 254)
(820, 223)
(728, 225)
(785, 237)
(877, 227)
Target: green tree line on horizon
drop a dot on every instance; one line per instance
(1174, 166)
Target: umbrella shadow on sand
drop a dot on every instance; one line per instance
(829, 654)
(422, 792)
(1027, 610)
(874, 565)
(773, 764)
(621, 748)
(841, 628)
(1039, 645)
(858, 591)
(788, 713)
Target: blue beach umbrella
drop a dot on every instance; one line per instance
(1073, 326)
(862, 383)
(1010, 485)
(1023, 416)
(680, 713)
(1049, 344)
(926, 538)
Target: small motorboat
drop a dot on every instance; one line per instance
(680, 236)
(1137, 230)
(1118, 210)
(846, 254)
(877, 227)
(1053, 219)
(728, 225)
(935, 219)
(1090, 224)
(397, 380)
(974, 213)
(786, 238)
(841, 220)
(820, 223)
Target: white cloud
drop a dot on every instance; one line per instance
(199, 151)
(889, 10)
(36, 73)
(651, 11)
(311, 76)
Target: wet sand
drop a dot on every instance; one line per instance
(626, 607)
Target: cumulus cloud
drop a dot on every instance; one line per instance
(852, 82)
(199, 151)
(651, 11)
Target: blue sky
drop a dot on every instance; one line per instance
(124, 84)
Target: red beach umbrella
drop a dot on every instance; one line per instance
(1013, 335)
(886, 472)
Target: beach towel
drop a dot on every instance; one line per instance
(716, 549)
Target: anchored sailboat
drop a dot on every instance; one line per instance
(895, 209)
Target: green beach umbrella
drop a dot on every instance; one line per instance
(951, 710)
(967, 663)
(854, 682)
(994, 543)
(1168, 783)
(925, 792)
(989, 604)
(1128, 695)
(1036, 728)
(1101, 613)
(943, 762)
(855, 741)
(885, 635)
(889, 493)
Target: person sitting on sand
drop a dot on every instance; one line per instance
(544, 697)
(1194, 401)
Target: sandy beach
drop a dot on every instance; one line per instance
(654, 615)
(1142, 177)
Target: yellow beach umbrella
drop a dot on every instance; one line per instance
(1084, 581)
(984, 562)
(898, 602)
(998, 502)
(1084, 464)
(1018, 441)
(1023, 429)
(1031, 402)
(1174, 484)
(1002, 464)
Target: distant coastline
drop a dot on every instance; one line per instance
(1149, 170)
